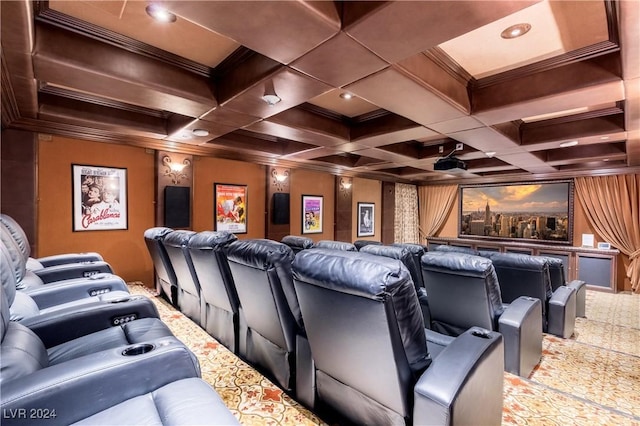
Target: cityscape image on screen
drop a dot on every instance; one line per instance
(531, 212)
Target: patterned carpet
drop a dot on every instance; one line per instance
(591, 379)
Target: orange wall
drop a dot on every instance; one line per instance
(307, 182)
(207, 171)
(367, 191)
(125, 250)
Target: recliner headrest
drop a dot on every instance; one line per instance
(517, 260)
(414, 249)
(157, 233)
(211, 240)
(260, 253)
(178, 238)
(15, 260)
(17, 233)
(335, 245)
(296, 241)
(7, 276)
(456, 249)
(465, 264)
(356, 273)
(363, 243)
(399, 253)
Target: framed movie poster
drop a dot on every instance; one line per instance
(99, 198)
(231, 207)
(312, 214)
(366, 219)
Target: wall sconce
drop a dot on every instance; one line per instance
(345, 183)
(175, 170)
(270, 96)
(279, 178)
(345, 186)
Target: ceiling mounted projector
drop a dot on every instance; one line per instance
(450, 165)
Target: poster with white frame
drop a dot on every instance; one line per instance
(99, 198)
(366, 219)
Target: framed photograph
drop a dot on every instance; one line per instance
(312, 211)
(530, 211)
(230, 208)
(366, 219)
(99, 198)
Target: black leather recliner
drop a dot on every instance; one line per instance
(335, 245)
(456, 249)
(556, 273)
(166, 282)
(103, 379)
(33, 264)
(275, 340)
(220, 306)
(464, 292)
(42, 276)
(187, 285)
(406, 257)
(297, 243)
(370, 347)
(362, 243)
(526, 275)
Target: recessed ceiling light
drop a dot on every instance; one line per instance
(606, 159)
(515, 31)
(346, 95)
(490, 154)
(200, 132)
(160, 13)
(568, 144)
(604, 138)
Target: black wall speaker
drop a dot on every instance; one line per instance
(280, 208)
(177, 206)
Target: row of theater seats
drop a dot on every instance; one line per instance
(82, 350)
(340, 330)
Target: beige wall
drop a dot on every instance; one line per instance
(367, 191)
(307, 182)
(125, 250)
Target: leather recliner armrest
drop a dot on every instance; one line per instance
(581, 297)
(62, 325)
(61, 259)
(68, 290)
(77, 389)
(72, 270)
(562, 312)
(521, 326)
(447, 392)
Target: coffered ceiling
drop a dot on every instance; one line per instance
(424, 76)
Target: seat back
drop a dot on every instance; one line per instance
(456, 249)
(362, 243)
(335, 245)
(556, 272)
(218, 296)
(165, 276)
(261, 271)
(463, 292)
(17, 233)
(399, 253)
(522, 275)
(297, 243)
(416, 251)
(188, 287)
(16, 261)
(366, 333)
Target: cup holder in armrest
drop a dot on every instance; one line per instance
(138, 349)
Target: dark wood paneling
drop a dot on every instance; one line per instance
(18, 180)
(343, 229)
(388, 212)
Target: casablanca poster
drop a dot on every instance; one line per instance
(99, 198)
(231, 208)
(311, 214)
